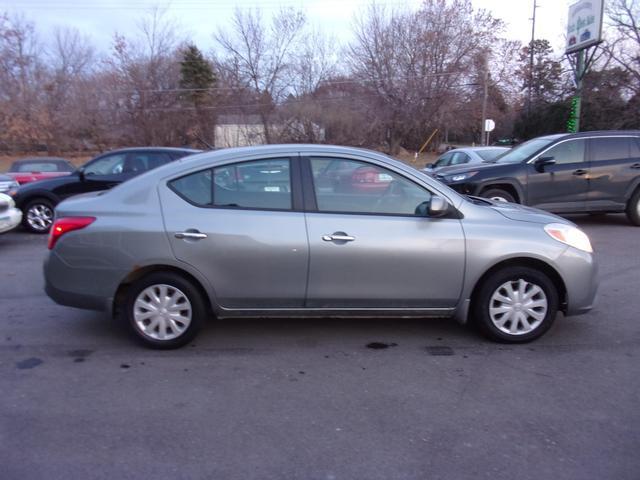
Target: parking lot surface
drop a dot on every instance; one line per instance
(321, 399)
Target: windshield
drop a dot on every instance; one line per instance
(525, 150)
(490, 154)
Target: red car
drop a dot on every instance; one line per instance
(39, 168)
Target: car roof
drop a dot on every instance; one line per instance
(477, 149)
(594, 133)
(155, 149)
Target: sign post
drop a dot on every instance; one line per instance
(489, 126)
(584, 30)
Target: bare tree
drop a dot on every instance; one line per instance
(414, 61)
(260, 57)
(624, 18)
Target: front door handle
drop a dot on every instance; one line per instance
(338, 237)
(190, 235)
(580, 172)
(635, 165)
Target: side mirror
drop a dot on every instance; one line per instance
(541, 162)
(80, 173)
(436, 207)
(429, 166)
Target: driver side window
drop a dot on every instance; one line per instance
(109, 165)
(351, 186)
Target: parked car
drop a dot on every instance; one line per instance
(596, 172)
(465, 156)
(7, 183)
(9, 215)
(39, 168)
(37, 200)
(202, 237)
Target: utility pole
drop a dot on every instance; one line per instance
(483, 140)
(533, 37)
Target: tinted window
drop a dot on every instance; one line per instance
(37, 167)
(196, 188)
(259, 184)
(459, 158)
(443, 161)
(571, 151)
(350, 186)
(109, 165)
(610, 148)
(138, 162)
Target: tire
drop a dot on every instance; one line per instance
(37, 215)
(633, 208)
(498, 194)
(188, 307)
(489, 311)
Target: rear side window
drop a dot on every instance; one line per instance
(263, 184)
(459, 158)
(196, 188)
(611, 148)
(571, 151)
(141, 162)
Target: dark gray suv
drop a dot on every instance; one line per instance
(596, 172)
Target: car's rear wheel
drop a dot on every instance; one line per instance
(498, 195)
(515, 305)
(37, 216)
(164, 310)
(633, 208)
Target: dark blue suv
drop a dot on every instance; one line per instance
(595, 172)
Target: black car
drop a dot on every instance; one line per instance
(595, 172)
(38, 199)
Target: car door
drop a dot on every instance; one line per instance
(242, 226)
(101, 173)
(369, 248)
(614, 166)
(563, 184)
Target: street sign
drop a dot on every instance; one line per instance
(584, 27)
(489, 125)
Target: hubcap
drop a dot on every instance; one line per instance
(162, 312)
(40, 217)
(518, 307)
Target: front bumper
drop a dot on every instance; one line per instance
(10, 219)
(579, 271)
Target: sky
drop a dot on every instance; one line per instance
(99, 19)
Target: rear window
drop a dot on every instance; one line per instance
(491, 154)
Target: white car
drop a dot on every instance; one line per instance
(10, 216)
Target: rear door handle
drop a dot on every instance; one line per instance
(636, 166)
(338, 237)
(190, 235)
(580, 172)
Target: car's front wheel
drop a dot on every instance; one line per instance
(37, 216)
(164, 310)
(498, 195)
(515, 305)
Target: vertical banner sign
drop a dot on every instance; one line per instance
(584, 27)
(572, 124)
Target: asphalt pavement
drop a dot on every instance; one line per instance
(320, 399)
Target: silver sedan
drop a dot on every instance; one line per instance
(464, 156)
(311, 230)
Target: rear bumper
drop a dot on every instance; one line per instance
(68, 286)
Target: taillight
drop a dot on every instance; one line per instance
(66, 225)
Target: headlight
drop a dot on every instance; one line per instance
(460, 176)
(569, 235)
